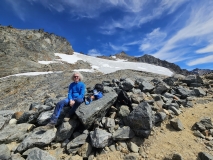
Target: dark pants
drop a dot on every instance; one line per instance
(61, 104)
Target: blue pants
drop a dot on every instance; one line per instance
(61, 104)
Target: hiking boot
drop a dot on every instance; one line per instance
(67, 118)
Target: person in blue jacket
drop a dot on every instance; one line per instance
(75, 98)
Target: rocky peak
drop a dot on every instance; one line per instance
(20, 49)
(152, 60)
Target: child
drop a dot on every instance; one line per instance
(97, 94)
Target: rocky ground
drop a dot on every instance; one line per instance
(173, 136)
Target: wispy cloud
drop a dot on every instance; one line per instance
(198, 25)
(152, 41)
(207, 49)
(149, 10)
(118, 48)
(94, 53)
(203, 60)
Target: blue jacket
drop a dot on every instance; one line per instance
(76, 90)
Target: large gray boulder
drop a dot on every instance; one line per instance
(140, 120)
(66, 129)
(38, 154)
(100, 138)
(123, 133)
(14, 132)
(76, 142)
(38, 137)
(4, 152)
(87, 114)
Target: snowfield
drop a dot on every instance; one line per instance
(102, 65)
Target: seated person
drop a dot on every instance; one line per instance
(97, 94)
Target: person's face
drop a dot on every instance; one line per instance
(76, 78)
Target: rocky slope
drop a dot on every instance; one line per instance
(20, 50)
(157, 125)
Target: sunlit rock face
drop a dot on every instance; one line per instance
(20, 50)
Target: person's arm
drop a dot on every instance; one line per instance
(70, 92)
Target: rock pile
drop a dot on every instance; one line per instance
(106, 124)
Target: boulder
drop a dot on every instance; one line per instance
(38, 154)
(15, 132)
(140, 120)
(100, 138)
(4, 152)
(87, 114)
(38, 137)
(66, 129)
(123, 133)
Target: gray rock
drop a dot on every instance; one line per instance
(204, 156)
(133, 147)
(159, 117)
(124, 111)
(100, 138)
(76, 142)
(161, 88)
(41, 108)
(199, 92)
(66, 129)
(110, 123)
(127, 84)
(5, 116)
(44, 117)
(123, 133)
(176, 124)
(38, 137)
(87, 114)
(192, 79)
(14, 132)
(4, 152)
(184, 92)
(146, 86)
(140, 119)
(175, 110)
(38, 154)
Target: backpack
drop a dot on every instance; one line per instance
(99, 87)
(124, 99)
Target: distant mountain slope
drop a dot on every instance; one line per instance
(20, 50)
(201, 71)
(152, 60)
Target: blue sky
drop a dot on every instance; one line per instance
(179, 31)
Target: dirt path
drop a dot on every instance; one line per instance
(165, 141)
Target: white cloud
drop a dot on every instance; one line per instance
(118, 48)
(140, 12)
(94, 53)
(206, 49)
(198, 25)
(152, 41)
(203, 60)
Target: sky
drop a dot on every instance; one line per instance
(178, 31)
(99, 65)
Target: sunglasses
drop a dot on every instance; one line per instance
(75, 76)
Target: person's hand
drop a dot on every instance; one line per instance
(72, 103)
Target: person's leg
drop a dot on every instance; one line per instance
(58, 109)
(75, 106)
